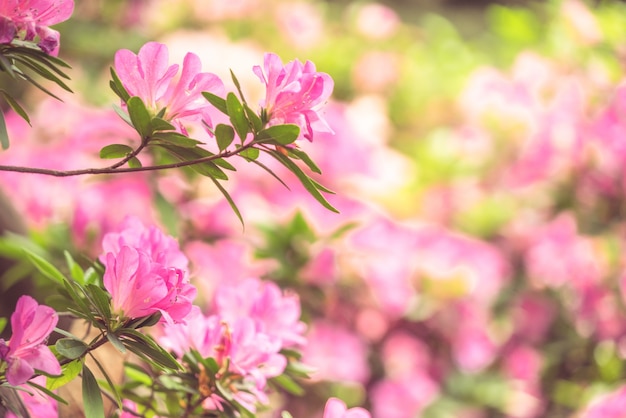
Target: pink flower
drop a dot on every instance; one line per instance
(336, 408)
(148, 76)
(26, 350)
(274, 313)
(251, 355)
(336, 354)
(161, 248)
(140, 287)
(294, 94)
(27, 19)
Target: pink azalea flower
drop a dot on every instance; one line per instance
(140, 287)
(294, 94)
(148, 76)
(250, 354)
(336, 408)
(161, 248)
(274, 313)
(26, 350)
(27, 19)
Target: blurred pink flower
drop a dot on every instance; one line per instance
(26, 350)
(148, 76)
(27, 19)
(140, 287)
(377, 21)
(403, 397)
(300, 23)
(336, 408)
(295, 94)
(91, 217)
(579, 263)
(274, 312)
(610, 405)
(335, 353)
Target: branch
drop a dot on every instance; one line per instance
(115, 169)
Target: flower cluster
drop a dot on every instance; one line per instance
(295, 94)
(28, 19)
(145, 273)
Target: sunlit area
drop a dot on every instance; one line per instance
(312, 209)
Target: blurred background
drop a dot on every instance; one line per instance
(477, 266)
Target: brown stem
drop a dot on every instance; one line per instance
(117, 170)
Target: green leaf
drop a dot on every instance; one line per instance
(257, 123)
(264, 167)
(34, 82)
(288, 384)
(3, 323)
(100, 299)
(76, 271)
(44, 72)
(218, 102)
(92, 398)
(47, 392)
(137, 373)
(118, 87)
(229, 199)
(15, 106)
(71, 348)
(237, 84)
(283, 134)
(237, 115)
(208, 168)
(285, 414)
(122, 114)
(4, 135)
(69, 371)
(115, 342)
(115, 151)
(174, 138)
(134, 163)
(45, 267)
(301, 155)
(224, 134)
(6, 65)
(250, 154)
(308, 184)
(139, 116)
(146, 348)
(111, 386)
(159, 124)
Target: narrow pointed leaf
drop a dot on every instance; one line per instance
(159, 124)
(301, 155)
(15, 106)
(118, 87)
(218, 102)
(308, 184)
(92, 398)
(229, 199)
(45, 267)
(257, 123)
(4, 135)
